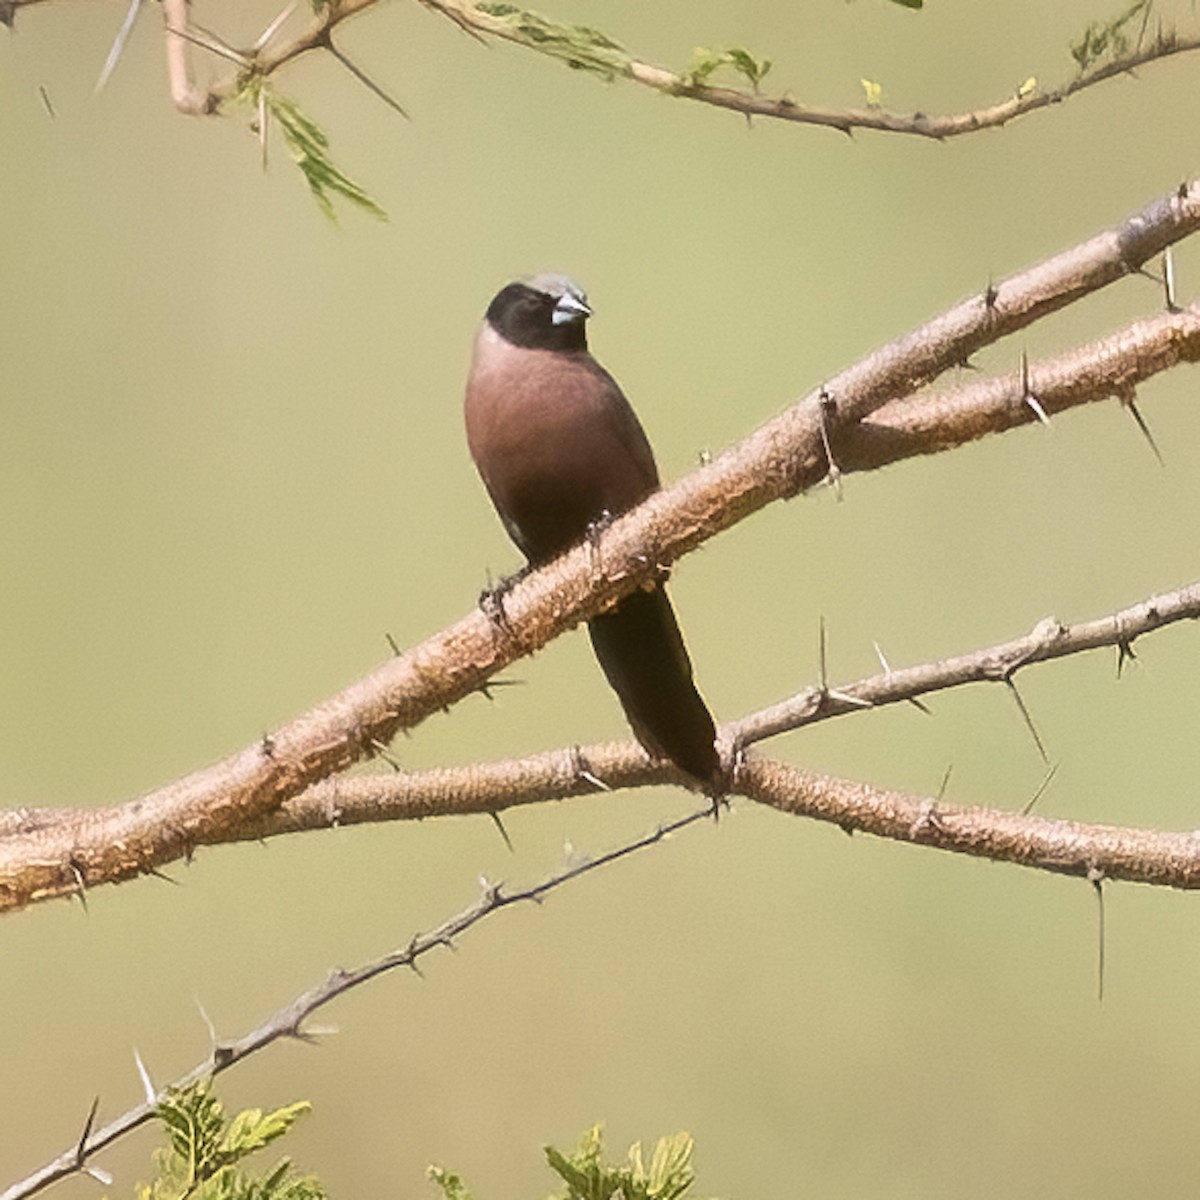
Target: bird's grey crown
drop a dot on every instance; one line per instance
(552, 284)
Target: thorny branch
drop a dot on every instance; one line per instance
(288, 1021)
(752, 103)
(1048, 641)
(495, 787)
(783, 457)
(1091, 852)
(585, 48)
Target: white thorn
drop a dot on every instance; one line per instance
(883, 662)
(144, 1075)
(1038, 410)
(270, 31)
(321, 1030)
(118, 45)
(212, 1029)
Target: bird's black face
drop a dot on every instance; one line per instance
(552, 316)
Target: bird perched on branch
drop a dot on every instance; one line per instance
(561, 452)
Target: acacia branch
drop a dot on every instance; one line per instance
(495, 787)
(1111, 366)
(1047, 641)
(288, 1021)
(1092, 852)
(585, 48)
(780, 459)
(610, 59)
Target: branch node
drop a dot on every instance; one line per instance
(927, 820)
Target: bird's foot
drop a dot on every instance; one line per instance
(724, 777)
(595, 531)
(491, 599)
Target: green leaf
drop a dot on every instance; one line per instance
(252, 1131)
(589, 1178)
(451, 1184)
(910, 3)
(1106, 39)
(202, 1160)
(193, 1119)
(753, 68)
(309, 148)
(671, 1172)
(706, 62)
(579, 46)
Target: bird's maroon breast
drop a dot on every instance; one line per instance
(556, 443)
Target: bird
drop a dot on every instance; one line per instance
(561, 452)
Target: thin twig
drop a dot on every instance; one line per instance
(1048, 640)
(184, 93)
(288, 1021)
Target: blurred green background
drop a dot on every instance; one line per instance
(231, 459)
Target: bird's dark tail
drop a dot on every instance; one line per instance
(641, 650)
